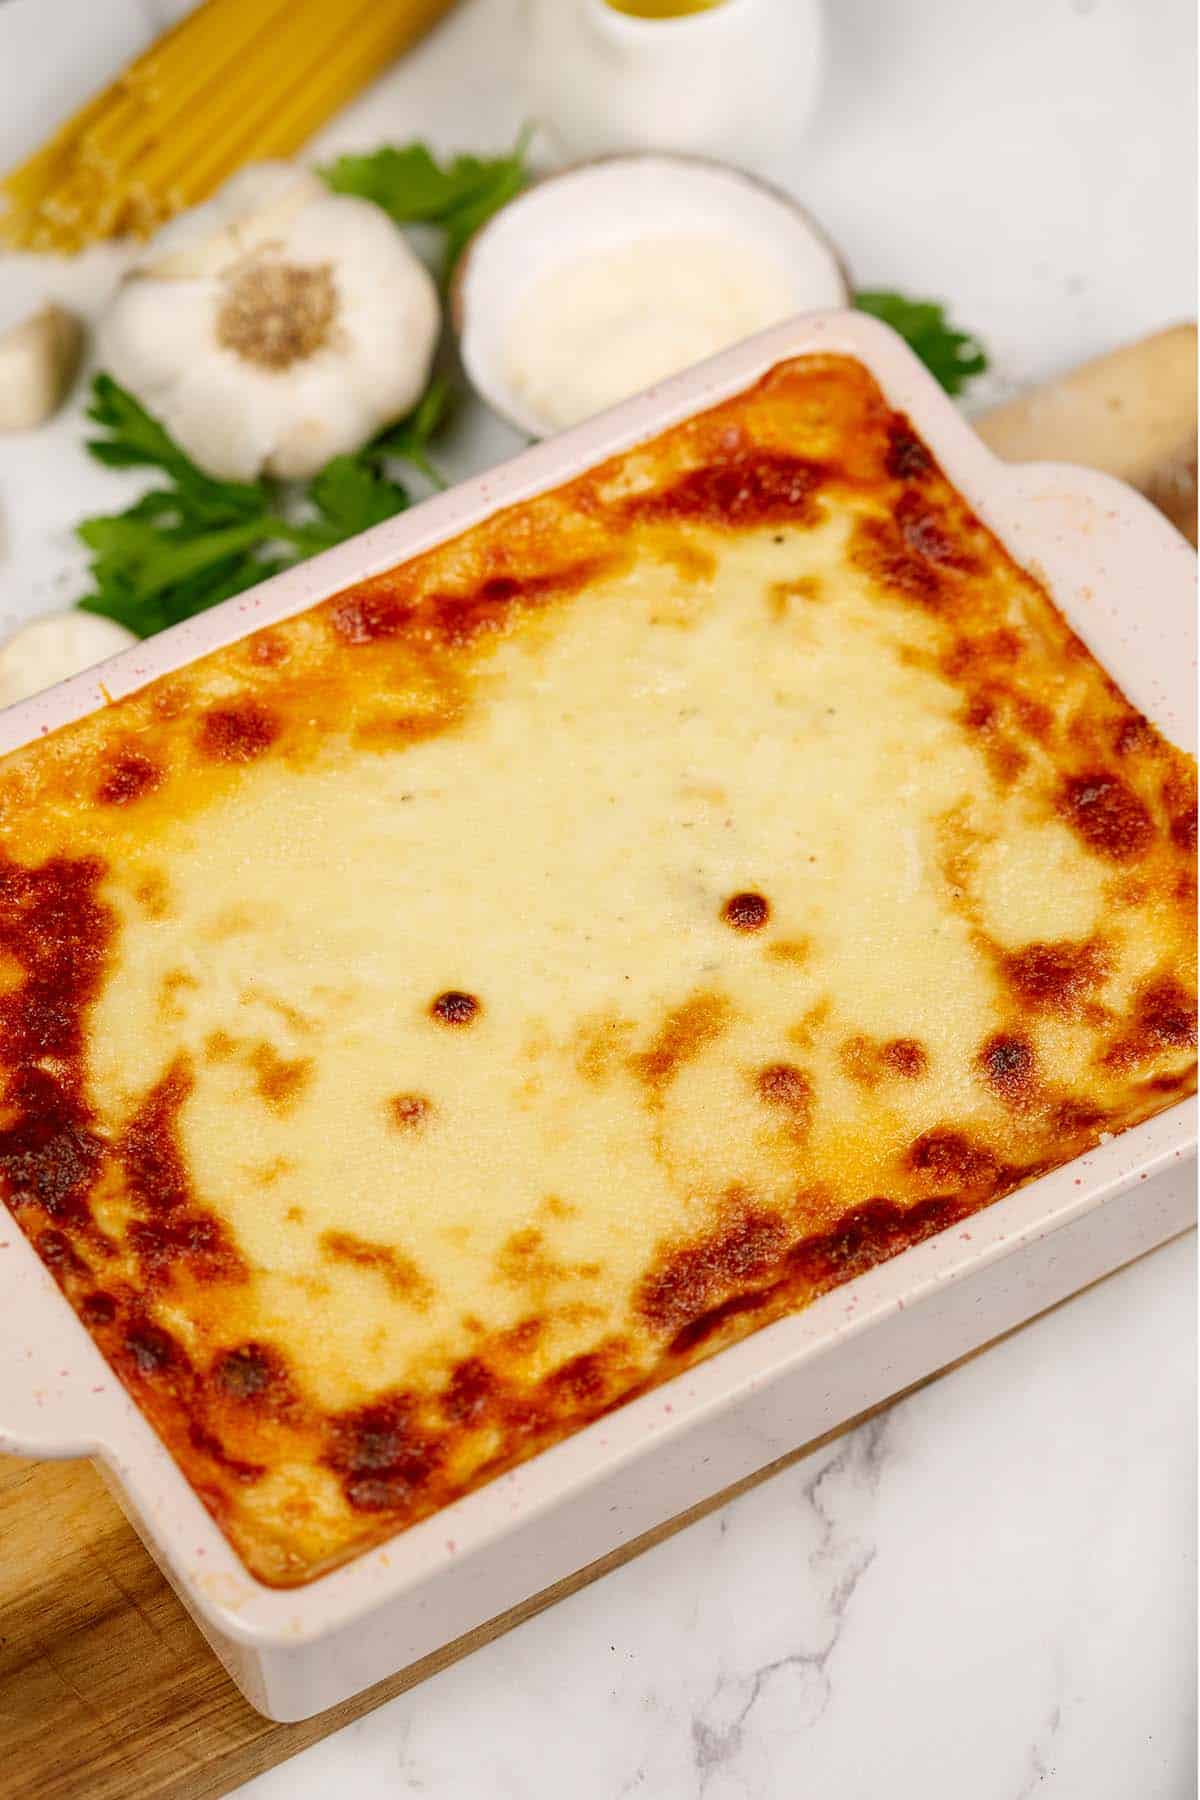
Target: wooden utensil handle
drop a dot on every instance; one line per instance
(1131, 413)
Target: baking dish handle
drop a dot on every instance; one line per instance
(57, 1394)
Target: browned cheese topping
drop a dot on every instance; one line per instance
(435, 1019)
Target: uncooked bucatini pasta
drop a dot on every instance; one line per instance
(235, 81)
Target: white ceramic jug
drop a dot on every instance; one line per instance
(737, 81)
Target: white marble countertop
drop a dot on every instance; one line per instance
(988, 1594)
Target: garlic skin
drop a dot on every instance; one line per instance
(53, 647)
(38, 360)
(275, 326)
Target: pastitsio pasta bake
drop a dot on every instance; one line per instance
(433, 1020)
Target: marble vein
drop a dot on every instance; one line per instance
(719, 1730)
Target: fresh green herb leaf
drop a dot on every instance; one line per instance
(953, 357)
(136, 439)
(185, 546)
(413, 188)
(407, 181)
(350, 495)
(506, 182)
(408, 439)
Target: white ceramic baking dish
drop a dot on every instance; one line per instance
(1124, 578)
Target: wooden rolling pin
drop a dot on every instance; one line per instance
(1131, 413)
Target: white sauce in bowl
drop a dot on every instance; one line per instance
(594, 330)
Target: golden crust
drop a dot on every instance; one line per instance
(433, 1020)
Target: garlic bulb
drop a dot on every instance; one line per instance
(55, 646)
(275, 326)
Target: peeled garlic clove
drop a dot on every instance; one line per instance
(56, 646)
(38, 359)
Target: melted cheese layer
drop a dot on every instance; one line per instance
(429, 1021)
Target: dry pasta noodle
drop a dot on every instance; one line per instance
(234, 81)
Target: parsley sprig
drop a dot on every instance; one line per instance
(413, 188)
(954, 357)
(193, 541)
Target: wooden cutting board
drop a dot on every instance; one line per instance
(107, 1689)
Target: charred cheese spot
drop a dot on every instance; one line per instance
(867, 1061)
(97, 1308)
(951, 1160)
(1183, 829)
(767, 488)
(457, 620)
(49, 1156)
(267, 649)
(365, 618)
(253, 1374)
(1179, 804)
(58, 1254)
(746, 912)
(868, 1235)
(237, 734)
(173, 1232)
(691, 1278)
(906, 1057)
(409, 1112)
(191, 1240)
(156, 1173)
(1107, 815)
(523, 1338)
(783, 1084)
(1163, 1020)
(906, 458)
(129, 777)
(584, 1378)
(470, 1392)
(169, 699)
(380, 1455)
(1010, 1068)
(1133, 734)
(455, 1007)
(929, 530)
(1056, 977)
(148, 1350)
(915, 552)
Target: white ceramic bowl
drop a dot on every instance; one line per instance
(1124, 579)
(609, 204)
